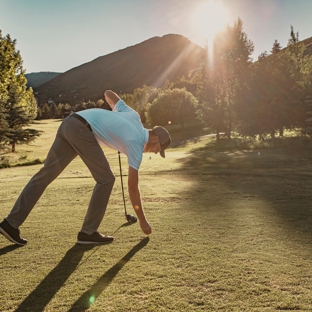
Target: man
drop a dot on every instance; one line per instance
(82, 134)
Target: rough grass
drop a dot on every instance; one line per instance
(33, 153)
(232, 231)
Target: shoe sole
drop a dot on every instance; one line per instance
(93, 243)
(6, 235)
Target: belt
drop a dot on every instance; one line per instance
(82, 120)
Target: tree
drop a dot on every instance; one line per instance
(294, 37)
(64, 109)
(3, 122)
(55, 112)
(99, 103)
(274, 99)
(175, 106)
(276, 47)
(229, 74)
(45, 111)
(189, 85)
(39, 114)
(290, 81)
(18, 105)
(140, 98)
(80, 106)
(90, 104)
(208, 107)
(232, 57)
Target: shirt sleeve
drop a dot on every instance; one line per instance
(121, 106)
(135, 155)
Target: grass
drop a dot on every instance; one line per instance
(232, 231)
(35, 152)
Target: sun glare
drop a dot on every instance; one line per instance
(210, 18)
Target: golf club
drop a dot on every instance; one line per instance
(130, 218)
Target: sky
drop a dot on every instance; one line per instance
(58, 35)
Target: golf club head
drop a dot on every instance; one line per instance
(131, 219)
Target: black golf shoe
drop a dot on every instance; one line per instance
(95, 238)
(12, 234)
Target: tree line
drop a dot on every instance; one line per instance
(257, 98)
(228, 94)
(61, 110)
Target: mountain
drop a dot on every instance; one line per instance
(148, 63)
(308, 44)
(36, 79)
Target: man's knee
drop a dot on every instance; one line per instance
(113, 178)
(108, 180)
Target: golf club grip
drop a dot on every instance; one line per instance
(123, 193)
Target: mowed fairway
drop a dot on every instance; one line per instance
(232, 231)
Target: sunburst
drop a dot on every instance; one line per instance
(210, 18)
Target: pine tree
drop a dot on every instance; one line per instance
(276, 47)
(294, 37)
(80, 106)
(18, 106)
(55, 113)
(3, 122)
(208, 107)
(231, 64)
(45, 111)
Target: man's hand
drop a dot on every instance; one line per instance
(145, 226)
(111, 98)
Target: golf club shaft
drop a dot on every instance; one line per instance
(123, 193)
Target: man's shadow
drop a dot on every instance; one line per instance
(8, 249)
(46, 290)
(86, 299)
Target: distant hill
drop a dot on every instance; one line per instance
(308, 44)
(148, 63)
(36, 79)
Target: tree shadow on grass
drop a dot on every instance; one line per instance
(46, 290)
(281, 177)
(86, 299)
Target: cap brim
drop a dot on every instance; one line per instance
(163, 147)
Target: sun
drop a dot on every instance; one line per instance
(210, 18)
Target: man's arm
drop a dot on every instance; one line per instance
(111, 98)
(135, 197)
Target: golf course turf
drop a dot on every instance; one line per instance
(232, 231)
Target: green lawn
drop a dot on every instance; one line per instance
(232, 231)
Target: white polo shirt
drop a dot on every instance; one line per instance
(120, 129)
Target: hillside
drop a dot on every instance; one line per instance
(36, 79)
(148, 63)
(308, 44)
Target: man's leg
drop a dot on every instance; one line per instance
(60, 155)
(87, 147)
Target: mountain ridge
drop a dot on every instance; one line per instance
(36, 79)
(150, 62)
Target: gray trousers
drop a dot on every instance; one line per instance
(73, 138)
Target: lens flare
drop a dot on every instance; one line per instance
(210, 18)
(91, 299)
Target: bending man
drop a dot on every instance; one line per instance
(81, 134)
